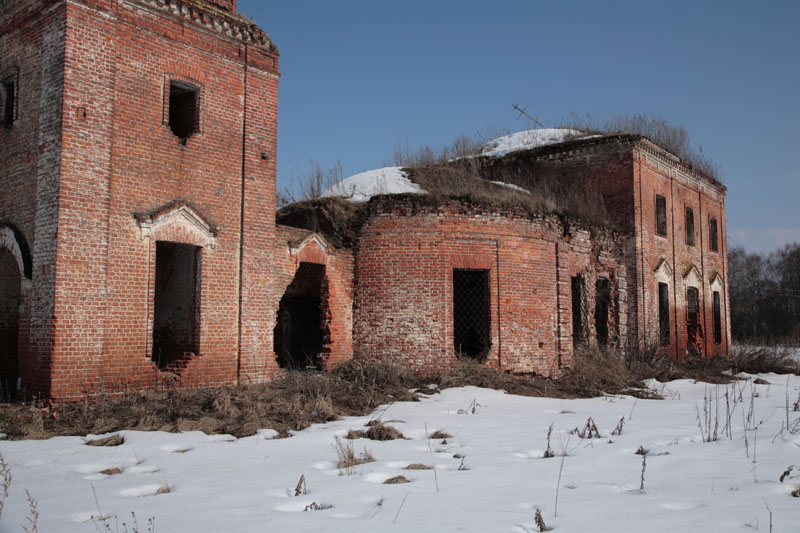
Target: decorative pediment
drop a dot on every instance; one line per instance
(716, 281)
(177, 222)
(663, 271)
(312, 249)
(691, 275)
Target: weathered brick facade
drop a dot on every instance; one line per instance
(94, 177)
(139, 247)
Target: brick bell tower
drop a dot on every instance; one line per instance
(137, 217)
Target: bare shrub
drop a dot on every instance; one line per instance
(309, 183)
(5, 479)
(540, 521)
(763, 360)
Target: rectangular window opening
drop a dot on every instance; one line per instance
(693, 319)
(8, 97)
(183, 109)
(663, 313)
(601, 306)
(661, 215)
(717, 319)
(713, 236)
(579, 336)
(471, 313)
(689, 226)
(175, 304)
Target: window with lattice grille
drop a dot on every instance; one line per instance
(579, 334)
(689, 226)
(717, 319)
(663, 313)
(661, 215)
(713, 235)
(471, 313)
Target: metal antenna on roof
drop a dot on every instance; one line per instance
(522, 113)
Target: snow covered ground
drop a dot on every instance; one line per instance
(491, 474)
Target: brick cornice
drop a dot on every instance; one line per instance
(213, 18)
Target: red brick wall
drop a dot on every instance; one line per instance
(32, 37)
(655, 175)
(403, 307)
(117, 156)
(294, 246)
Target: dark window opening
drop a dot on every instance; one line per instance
(689, 226)
(300, 332)
(471, 313)
(9, 324)
(661, 215)
(183, 109)
(579, 336)
(717, 319)
(176, 304)
(713, 236)
(602, 301)
(663, 313)
(8, 97)
(693, 319)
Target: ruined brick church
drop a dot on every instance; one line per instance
(139, 246)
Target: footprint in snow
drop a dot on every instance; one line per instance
(173, 448)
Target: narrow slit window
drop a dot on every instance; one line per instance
(713, 235)
(717, 319)
(602, 303)
(8, 101)
(183, 109)
(579, 336)
(693, 319)
(663, 313)
(689, 226)
(471, 313)
(661, 215)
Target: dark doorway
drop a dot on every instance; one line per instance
(10, 291)
(299, 332)
(176, 303)
(579, 336)
(471, 313)
(693, 319)
(602, 301)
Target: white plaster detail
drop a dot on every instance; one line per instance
(692, 277)
(181, 216)
(663, 272)
(716, 282)
(314, 238)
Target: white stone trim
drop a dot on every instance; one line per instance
(9, 242)
(663, 272)
(184, 217)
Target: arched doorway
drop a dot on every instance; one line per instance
(301, 328)
(10, 293)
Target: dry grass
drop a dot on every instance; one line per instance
(348, 459)
(377, 431)
(418, 466)
(440, 435)
(111, 471)
(396, 480)
(298, 399)
(114, 440)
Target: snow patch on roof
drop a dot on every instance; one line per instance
(525, 140)
(511, 186)
(361, 187)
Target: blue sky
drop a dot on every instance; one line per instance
(361, 77)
